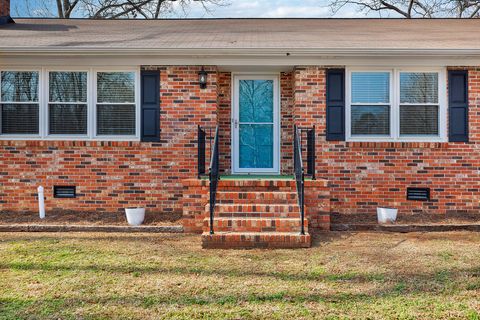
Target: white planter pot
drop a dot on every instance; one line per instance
(135, 216)
(386, 215)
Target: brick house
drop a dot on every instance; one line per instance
(134, 112)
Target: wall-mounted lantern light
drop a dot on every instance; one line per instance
(202, 78)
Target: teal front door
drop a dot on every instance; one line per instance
(255, 124)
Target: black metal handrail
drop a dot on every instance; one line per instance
(214, 176)
(201, 144)
(311, 156)
(299, 175)
(203, 134)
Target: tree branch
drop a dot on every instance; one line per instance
(60, 9)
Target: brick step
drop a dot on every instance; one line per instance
(254, 208)
(242, 224)
(256, 215)
(256, 185)
(250, 240)
(258, 197)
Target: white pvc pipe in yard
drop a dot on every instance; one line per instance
(41, 203)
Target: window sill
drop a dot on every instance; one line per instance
(66, 138)
(420, 139)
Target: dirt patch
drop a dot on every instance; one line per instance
(86, 218)
(455, 218)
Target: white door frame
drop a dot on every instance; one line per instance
(235, 117)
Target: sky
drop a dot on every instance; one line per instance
(236, 9)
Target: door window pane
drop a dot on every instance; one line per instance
(419, 120)
(256, 146)
(370, 87)
(256, 100)
(367, 120)
(418, 87)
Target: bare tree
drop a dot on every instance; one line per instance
(413, 8)
(115, 9)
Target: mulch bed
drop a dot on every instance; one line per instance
(85, 218)
(420, 222)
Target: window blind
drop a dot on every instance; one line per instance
(370, 87)
(19, 118)
(419, 120)
(115, 87)
(116, 103)
(19, 86)
(67, 110)
(418, 87)
(68, 87)
(115, 119)
(19, 102)
(370, 120)
(67, 118)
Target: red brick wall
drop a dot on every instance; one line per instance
(365, 175)
(4, 8)
(112, 175)
(224, 120)
(286, 125)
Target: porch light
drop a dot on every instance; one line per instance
(202, 78)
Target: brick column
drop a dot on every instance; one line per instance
(317, 205)
(309, 110)
(194, 200)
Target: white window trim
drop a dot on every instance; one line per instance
(43, 101)
(395, 107)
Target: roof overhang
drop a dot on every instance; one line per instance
(282, 58)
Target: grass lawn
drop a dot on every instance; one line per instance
(145, 276)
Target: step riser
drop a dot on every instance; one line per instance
(247, 241)
(256, 225)
(257, 189)
(256, 184)
(254, 208)
(257, 198)
(256, 215)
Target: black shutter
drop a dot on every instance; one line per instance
(150, 106)
(336, 105)
(458, 105)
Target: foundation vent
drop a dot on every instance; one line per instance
(418, 194)
(64, 192)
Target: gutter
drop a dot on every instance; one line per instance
(268, 52)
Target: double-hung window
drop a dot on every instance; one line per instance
(115, 103)
(69, 104)
(419, 104)
(396, 105)
(19, 103)
(371, 107)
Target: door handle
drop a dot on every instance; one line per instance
(235, 123)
